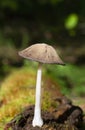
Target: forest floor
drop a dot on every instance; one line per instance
(58, 112)
(65, 117)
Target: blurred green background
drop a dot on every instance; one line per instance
(60, 23)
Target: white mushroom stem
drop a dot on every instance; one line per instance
(37, 120)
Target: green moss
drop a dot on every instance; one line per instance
(18, 91)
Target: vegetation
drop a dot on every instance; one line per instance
(18, 89)
(70, 78)
(60, 23)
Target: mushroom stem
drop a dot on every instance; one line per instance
(37, 120)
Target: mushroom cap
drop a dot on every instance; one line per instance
(42, 53)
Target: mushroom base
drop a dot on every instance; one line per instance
(65, 117)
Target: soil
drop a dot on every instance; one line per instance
(65, 117)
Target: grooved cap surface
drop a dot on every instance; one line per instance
(41, 52)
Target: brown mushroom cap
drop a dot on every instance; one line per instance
(41, 52)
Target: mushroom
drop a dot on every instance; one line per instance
(42, 53)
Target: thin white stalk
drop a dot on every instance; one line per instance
(37, 120)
